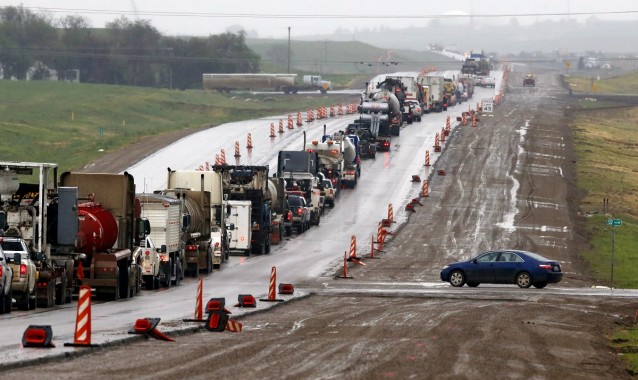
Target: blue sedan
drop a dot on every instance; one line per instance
(504, 267)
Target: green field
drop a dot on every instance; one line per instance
(624, 84)
(69, 123)
(606, 142)
(607, 168)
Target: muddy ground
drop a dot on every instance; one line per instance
(488, 332)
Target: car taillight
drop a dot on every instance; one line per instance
(545, 266)
(147, 253)
(192, 248)
(217, 245)
(0, 271)
(288, 216)
(334, 181)
(299, 211)
(23, 270)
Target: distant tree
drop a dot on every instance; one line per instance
(25, 38)
(135, 51)
(581, 63)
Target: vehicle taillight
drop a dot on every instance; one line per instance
(334, 181)
(288, 216)
(192, 248)
(300, 211)
(0, 271)
(545, 266)
(23, 270)
(217, 245)
(147, 253)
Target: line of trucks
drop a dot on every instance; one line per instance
(94, 229)
(287, 83)
(393, 99)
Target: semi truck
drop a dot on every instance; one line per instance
(205, 233)
(436, 88)
(250, 183)
(109, 233)
(287, 83)
(81, 230)
(300, 170)
(163, 261)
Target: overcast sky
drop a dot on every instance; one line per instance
(201, 18)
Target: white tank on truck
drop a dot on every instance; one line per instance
(205, 239)
(281, 219)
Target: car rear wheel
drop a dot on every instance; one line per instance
(540, 285)
(457, 278)
(523, 280)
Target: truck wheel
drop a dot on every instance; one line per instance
(50, 296)
(23, 303)
(168, 272)
(209, 263)
(116, 294)
(178, 273)
(32, 300)
(8, 299)
(60, 294)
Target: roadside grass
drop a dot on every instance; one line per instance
(69, 123)
(606, 144)
(625, 342)
(624, 84)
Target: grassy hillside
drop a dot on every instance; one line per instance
(70, 123)
(334, 57)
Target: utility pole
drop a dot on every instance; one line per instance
(288, 50)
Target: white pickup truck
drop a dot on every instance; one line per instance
(24, 271)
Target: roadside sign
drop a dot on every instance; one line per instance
(488, 105)
(614, 222)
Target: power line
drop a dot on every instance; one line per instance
(316, 16)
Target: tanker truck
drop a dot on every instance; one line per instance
(338, 158)
(109, 231)
(287, 83)
(95, 242)
(205, 235)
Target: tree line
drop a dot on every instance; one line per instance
(126, 52)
